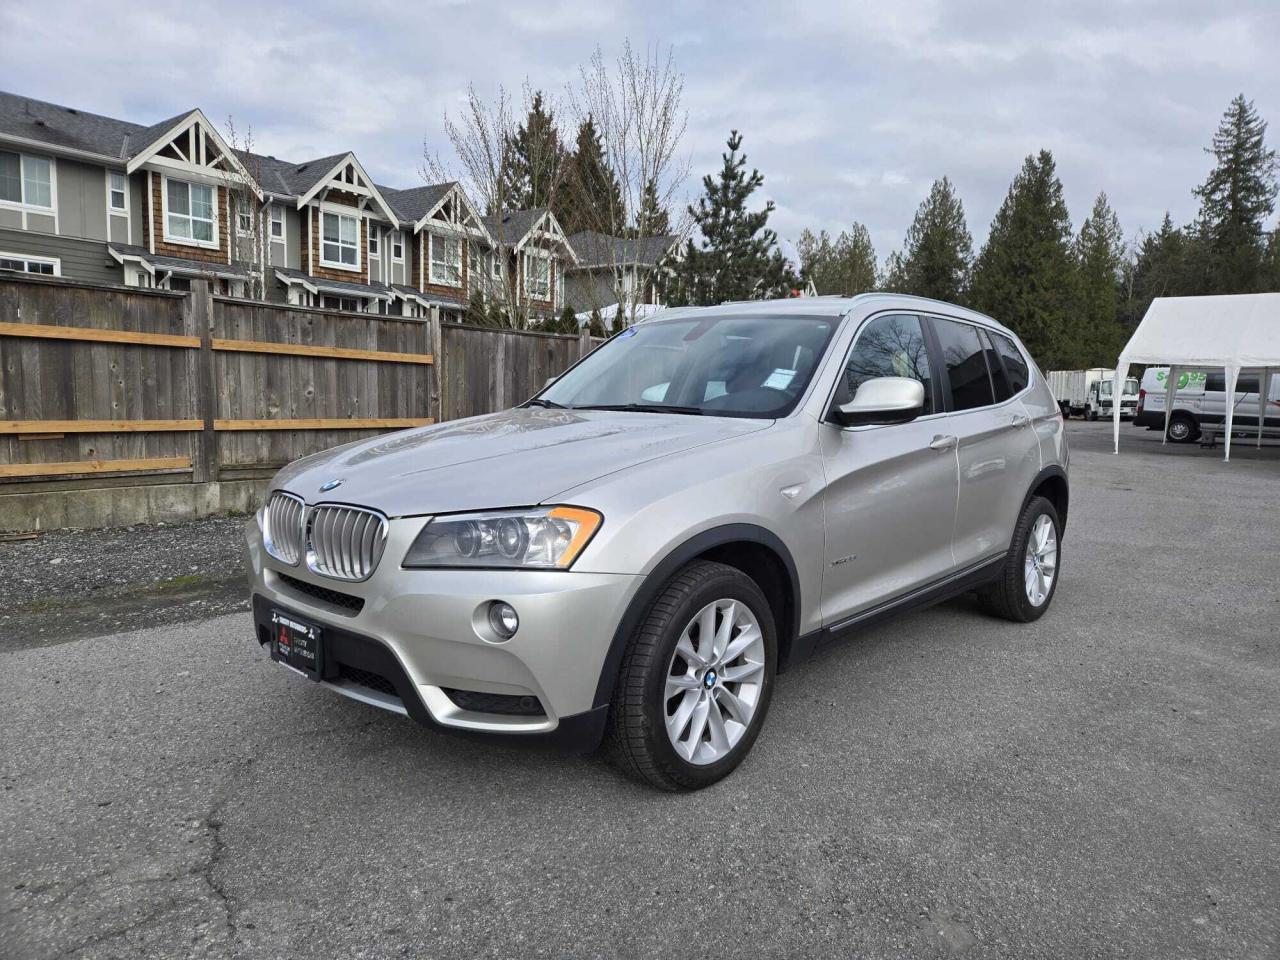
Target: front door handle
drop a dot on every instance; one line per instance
(942, 443)
(1020, 421)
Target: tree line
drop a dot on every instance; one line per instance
(1074, 297)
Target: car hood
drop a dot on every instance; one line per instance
(514, 458)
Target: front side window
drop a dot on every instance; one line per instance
(537, 277)
(190, 212)
(756, 365)
(341, 238)
(116, 190)
(889, 346)
(966, 364)
(1015, 364)
(27, 180)
(277, 221)
(446, 261)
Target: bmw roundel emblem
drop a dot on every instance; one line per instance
(330, 485)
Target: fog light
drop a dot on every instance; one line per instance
(503, 619)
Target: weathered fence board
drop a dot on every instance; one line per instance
(487, 369)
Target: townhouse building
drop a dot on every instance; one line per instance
(604, 268)
(108, 201)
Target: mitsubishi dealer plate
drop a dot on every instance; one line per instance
(295, 642)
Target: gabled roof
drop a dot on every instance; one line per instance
(513, 226)
(286, 178)
(601, 250)
(416, 202)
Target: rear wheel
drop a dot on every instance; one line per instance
(1029, 575)
(1183, 429)
(695, 681)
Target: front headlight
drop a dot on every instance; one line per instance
(542, 538)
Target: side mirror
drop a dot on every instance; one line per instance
(881, 400)
(550, 381)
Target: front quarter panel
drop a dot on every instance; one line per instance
(771, 479)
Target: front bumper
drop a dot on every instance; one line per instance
(419, 633)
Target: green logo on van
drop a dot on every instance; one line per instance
(1184, 378)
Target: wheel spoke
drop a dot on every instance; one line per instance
(707, 633)
(741, 672)
(686, 650)
(737, 709)
(741, 642)
(677, 684)
(721, 641)
(680, 719)
(698, 722)
(715, 726)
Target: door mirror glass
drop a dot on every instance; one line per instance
(881, 400)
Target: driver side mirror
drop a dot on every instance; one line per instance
(881, 400)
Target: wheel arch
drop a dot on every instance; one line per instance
(1051, 483)
(756, 551)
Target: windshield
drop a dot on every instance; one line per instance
(1130, 388)
(726, 366)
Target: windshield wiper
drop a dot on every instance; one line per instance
(539, 402)
(643, 408)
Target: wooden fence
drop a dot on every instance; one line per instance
(124, 385)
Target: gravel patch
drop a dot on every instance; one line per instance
(69, 584)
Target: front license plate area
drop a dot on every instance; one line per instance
(296, 643)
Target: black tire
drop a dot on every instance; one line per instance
(1091, 414)
(1183, 429)
(1006, 596)
(637, 736)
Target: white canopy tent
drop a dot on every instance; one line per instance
(1190, 333)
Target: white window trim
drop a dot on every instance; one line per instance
(127, 212)
(28, 258)
(214, 244)
(29, 208)
(241, 231)
(397, 239)
(374, 241)
(531, 255)
(271, 221)
(338, 210)
(446, 280)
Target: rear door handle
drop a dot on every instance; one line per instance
(942, 443)
(1020, 421)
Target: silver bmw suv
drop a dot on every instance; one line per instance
(635, 553)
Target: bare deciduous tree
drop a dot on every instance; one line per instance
(247, 213)
(635, 104)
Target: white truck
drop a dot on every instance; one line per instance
(1200, 404)
(1087, 393)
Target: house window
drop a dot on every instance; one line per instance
(473, 265)
(115, 190)
(341, 235)
(277, 222)
(182, 284)
(397, 246)
(537, 276)
(189, 215)
(495, 266)
(446, 261)
(374, 234)
(26, 180)
(244, 217)
(349, 304)
(46, 266)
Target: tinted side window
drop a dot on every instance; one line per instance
(998, 378)
(1218, 381)
(966, 366)
(891, 346)
(1014, 364)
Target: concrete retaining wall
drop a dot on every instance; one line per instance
(126, 505)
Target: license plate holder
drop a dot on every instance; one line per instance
(297, 643)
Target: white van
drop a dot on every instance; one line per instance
(1201, 399)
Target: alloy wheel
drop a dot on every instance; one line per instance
(714, 681)
(1041, 561)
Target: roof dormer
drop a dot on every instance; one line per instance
(191, 147)
(347, 176)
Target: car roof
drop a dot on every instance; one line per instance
(830, 306)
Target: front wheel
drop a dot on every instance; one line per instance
(1183, 429)
(1029, 575)
(695, 680)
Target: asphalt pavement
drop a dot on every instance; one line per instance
(1103, 783)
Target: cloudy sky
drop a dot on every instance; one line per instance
(850, 110)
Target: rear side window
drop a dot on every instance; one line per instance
(998, 379)
(891, 346)
(1218, 381)
(1014, 364)
(966, 366)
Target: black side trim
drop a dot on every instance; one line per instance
(951, 586)
(665, 570)
(1051, 471)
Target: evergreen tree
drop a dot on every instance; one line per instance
(535, 161)
(1100, 251)
(1271, 263)
(590, 198)
(480, 312)
(846, 266)
(938, 252)
(893, 278)
(595, 326)
(1025, 275)
(1235, 201)
(738, 257)
(652, 220)
(1160, 269)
